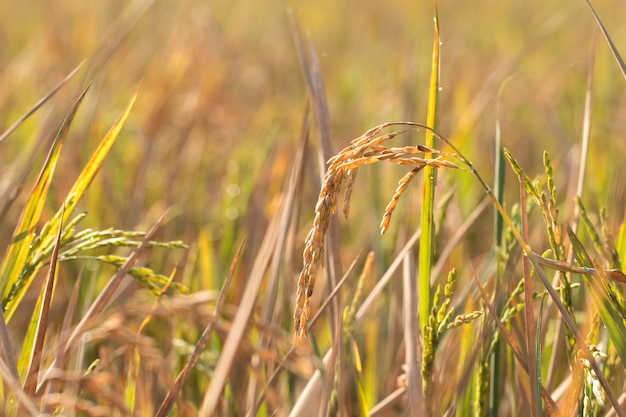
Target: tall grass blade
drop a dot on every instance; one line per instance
(411, 337)
(559, 337)
(7, 355)
(529, 313)
(40, 103)
(47, 389)
(586, 133)
(427, 224)
(537, 354)
(616, 54)
(95, 162)
(13, 284)
(495, 388)
(36, 333)
(499, 171)
(332, 259)
(7, 377)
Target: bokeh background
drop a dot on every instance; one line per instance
(223, 93)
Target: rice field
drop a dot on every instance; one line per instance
(314, 209)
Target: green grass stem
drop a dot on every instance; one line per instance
(428, 196)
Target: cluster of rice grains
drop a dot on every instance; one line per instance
(366, 149)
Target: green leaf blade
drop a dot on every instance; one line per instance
(13, 281)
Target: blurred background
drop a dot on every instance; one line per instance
(223, 94)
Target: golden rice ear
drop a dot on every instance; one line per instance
(369, 148)
(351, 175)
(402, 184)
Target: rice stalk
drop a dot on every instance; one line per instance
(427, 242)
(415, 386)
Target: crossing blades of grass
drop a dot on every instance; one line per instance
(172, 394)
(611, 317)
(13, 282)
(18, 270)
(513, 344)
(36, 333)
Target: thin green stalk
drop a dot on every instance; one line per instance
(499, 179)
(427, 226)
(529, 315)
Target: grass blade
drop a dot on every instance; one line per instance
(427, 224)
(36, 333)
(47, 390)
(529, 314)
(288, 207)
(95, 162)
(7, 377)
(537, 353)
(40, 103)
(616, 54)
(586, 133)
(317, 94)
(13, 285)
(411, 337)
(7, 355)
